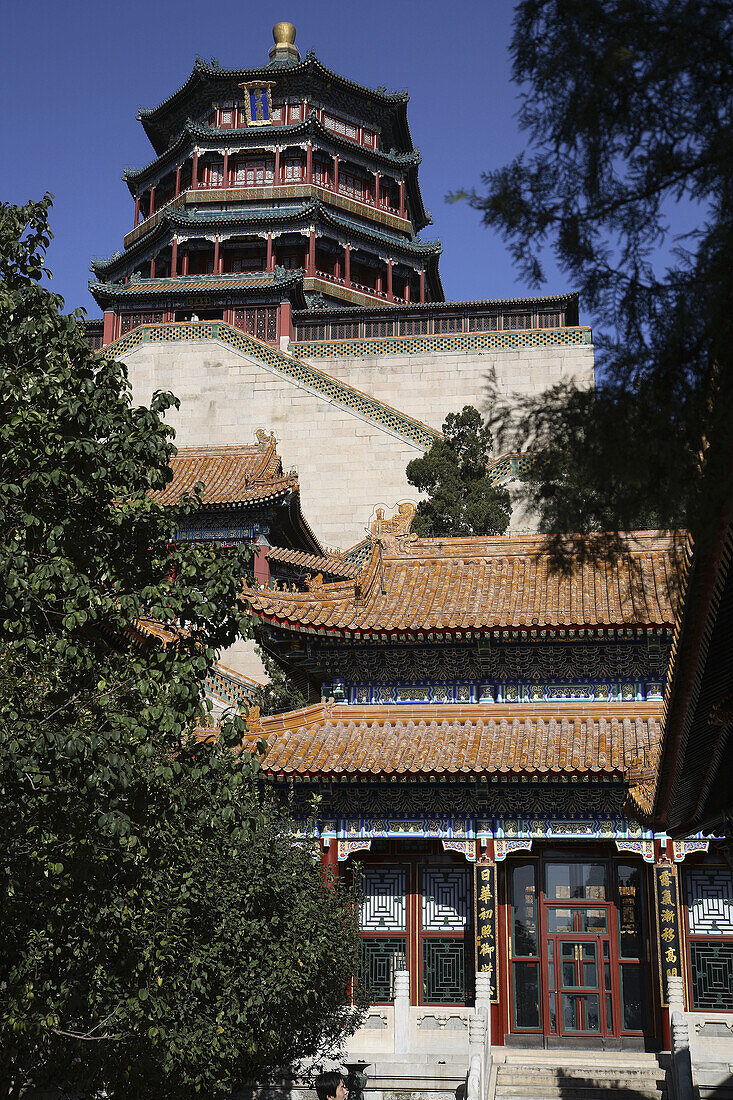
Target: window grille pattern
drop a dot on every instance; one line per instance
(712, 976)
(710, 902)
(379, 959)
(384, 901)
(444, 971)
(129, 321)
(444, 899)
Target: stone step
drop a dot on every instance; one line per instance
(615, 1059)
(579, 1091)
(596, 1073)
(552, 1075)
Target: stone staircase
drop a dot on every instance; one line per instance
(416, 1076)
(576, 1075)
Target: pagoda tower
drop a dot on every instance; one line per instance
(276, 188)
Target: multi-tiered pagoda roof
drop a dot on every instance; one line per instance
(281, 183)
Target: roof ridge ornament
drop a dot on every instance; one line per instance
(284, 48)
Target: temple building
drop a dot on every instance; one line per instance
(482, 734)
(274, 273)
(478, 729)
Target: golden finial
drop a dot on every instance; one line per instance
(284, 48)
(284, 34)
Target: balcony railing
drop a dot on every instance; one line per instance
(290, 189)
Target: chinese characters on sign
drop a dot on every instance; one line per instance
(486, 923)
(670, 954)
(257, 103)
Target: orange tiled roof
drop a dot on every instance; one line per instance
(413, 585)
(328, 563)
(343, 740)
(231, 475)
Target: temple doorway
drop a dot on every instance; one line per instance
(578, 958)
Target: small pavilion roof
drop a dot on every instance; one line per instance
(412, 586)
(344, 741)
(231, 475)
(242, 476)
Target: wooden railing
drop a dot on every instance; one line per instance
(296, 189)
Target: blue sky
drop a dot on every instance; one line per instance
(76, 71)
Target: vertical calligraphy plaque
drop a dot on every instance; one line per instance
(486, 947)
(668, 927)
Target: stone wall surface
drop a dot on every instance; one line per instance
(346, 464)
(429, 386)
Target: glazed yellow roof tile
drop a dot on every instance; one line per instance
(482, 584)
(230, 475)
(341, 740)
(327, 563)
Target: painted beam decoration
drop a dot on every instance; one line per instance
(486, 958)
(258, 102)
(668, 926)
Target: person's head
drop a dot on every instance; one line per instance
(331, 1085)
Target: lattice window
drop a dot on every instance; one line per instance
(444, 899)
(710, 924)
(379, 958)
(513, 321)
(444, 971)
(130, 321)
(711, 976)
(384, 900)
(414, 326)
(258, 172)
(449, 324)
(550, 320)
(379, 328)
(346, 331)
(484, 323)
(710, 902)
(294, 169)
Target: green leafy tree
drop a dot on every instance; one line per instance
(160, 935)
(454, 473)
(628, 108)
(280, 693)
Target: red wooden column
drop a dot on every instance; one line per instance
(174, 257)
(309, 163)
(422, 284)
(390, 295)
(402, 198)
(216, 255)
(225, 169)
(195, 170)
(376, 188)
(380, 283)
(347, 264)
(330, 859)
(184, 264)
(335, 181)
(152, 202)
(276, 173)
(285, 320)
(152, 268)
(270, 258)
(178, 181)
(407, 289)
(109, 327)
(260, 564)
(137, 212)
(312, 252)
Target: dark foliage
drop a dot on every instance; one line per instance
(461, 498)
(160, 935)
(628, 105)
